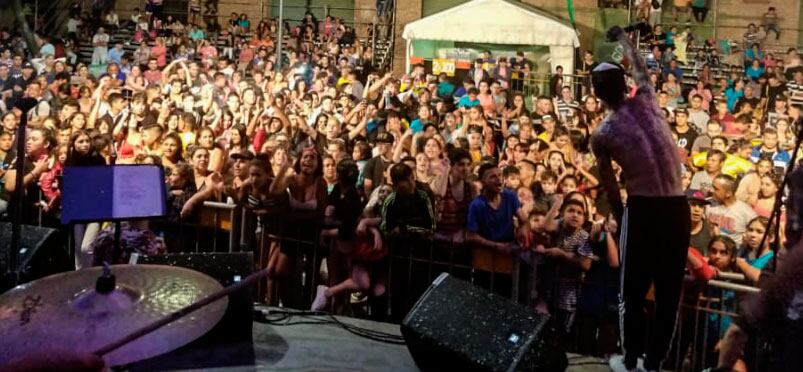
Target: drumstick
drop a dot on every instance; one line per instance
(251, 279)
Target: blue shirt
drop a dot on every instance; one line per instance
(780, 158)
(493, 224)
(115, 56)
(371, 126)
(750, 55)
(196, 34)
(677, 71)
(47, 50)
(417, 125)
(759, 262)
(445, 89)
(733, 96)
(754, 73)
(466, 102)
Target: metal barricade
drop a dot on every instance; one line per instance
(217, 227)
(296, 236)
(706, 312)
(538, 84)
(416, 262)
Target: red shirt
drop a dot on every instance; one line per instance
(727, 124)
(160, 53)
(705, 272)
(152, 76)
(246, 55)
(48, 182)
(208, 51)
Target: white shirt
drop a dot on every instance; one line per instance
(732, 221)
(101, 38)
(112, 19)
(72, 25)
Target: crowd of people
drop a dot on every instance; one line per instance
(372, 155)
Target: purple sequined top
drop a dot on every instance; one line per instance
(638, 138)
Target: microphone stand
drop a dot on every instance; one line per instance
(775, 216)
(24, 105)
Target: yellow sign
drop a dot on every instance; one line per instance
(443, 65)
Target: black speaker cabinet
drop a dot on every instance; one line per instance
(230, 342)
(42, 252)
(456, 326)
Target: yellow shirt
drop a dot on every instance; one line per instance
(733, 165)
(476, 156)
(187, 138)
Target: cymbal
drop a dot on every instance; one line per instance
(63, 311)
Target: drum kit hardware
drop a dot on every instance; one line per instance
(139, 312)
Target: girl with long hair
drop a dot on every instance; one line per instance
(752, 255)
(172, 151)
(83, 153)
(765, 202)
(39, 144)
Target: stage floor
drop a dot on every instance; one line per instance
(315, 347)
(303, 346)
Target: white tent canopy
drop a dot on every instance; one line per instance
(498, 22)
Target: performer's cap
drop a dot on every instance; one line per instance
(605, 66)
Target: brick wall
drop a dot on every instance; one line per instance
(733, 16)
(124, 8)
(364, 13)
(408, 12)
(250, 7)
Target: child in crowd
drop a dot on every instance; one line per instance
(511, 175)
(360, 241)
(568, 256)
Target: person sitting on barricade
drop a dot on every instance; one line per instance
(358, 242)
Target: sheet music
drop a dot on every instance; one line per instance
(106, 193)
(131, 191)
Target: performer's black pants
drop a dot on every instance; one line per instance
(656, 231)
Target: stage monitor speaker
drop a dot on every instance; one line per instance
(456, 326)
(42, 252)
(230, 341)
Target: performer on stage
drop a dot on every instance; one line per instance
(655, 225)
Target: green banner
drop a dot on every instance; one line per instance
(570, 7)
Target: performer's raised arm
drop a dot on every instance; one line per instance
(639, 72)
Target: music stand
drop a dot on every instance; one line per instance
(24, 105)
(113, 193)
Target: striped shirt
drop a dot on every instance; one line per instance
(565, 109)
(567, 276)
(795, 91)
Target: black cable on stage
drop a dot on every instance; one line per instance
(588, 364)
(283, 318)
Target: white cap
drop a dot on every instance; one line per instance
(605, 66)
